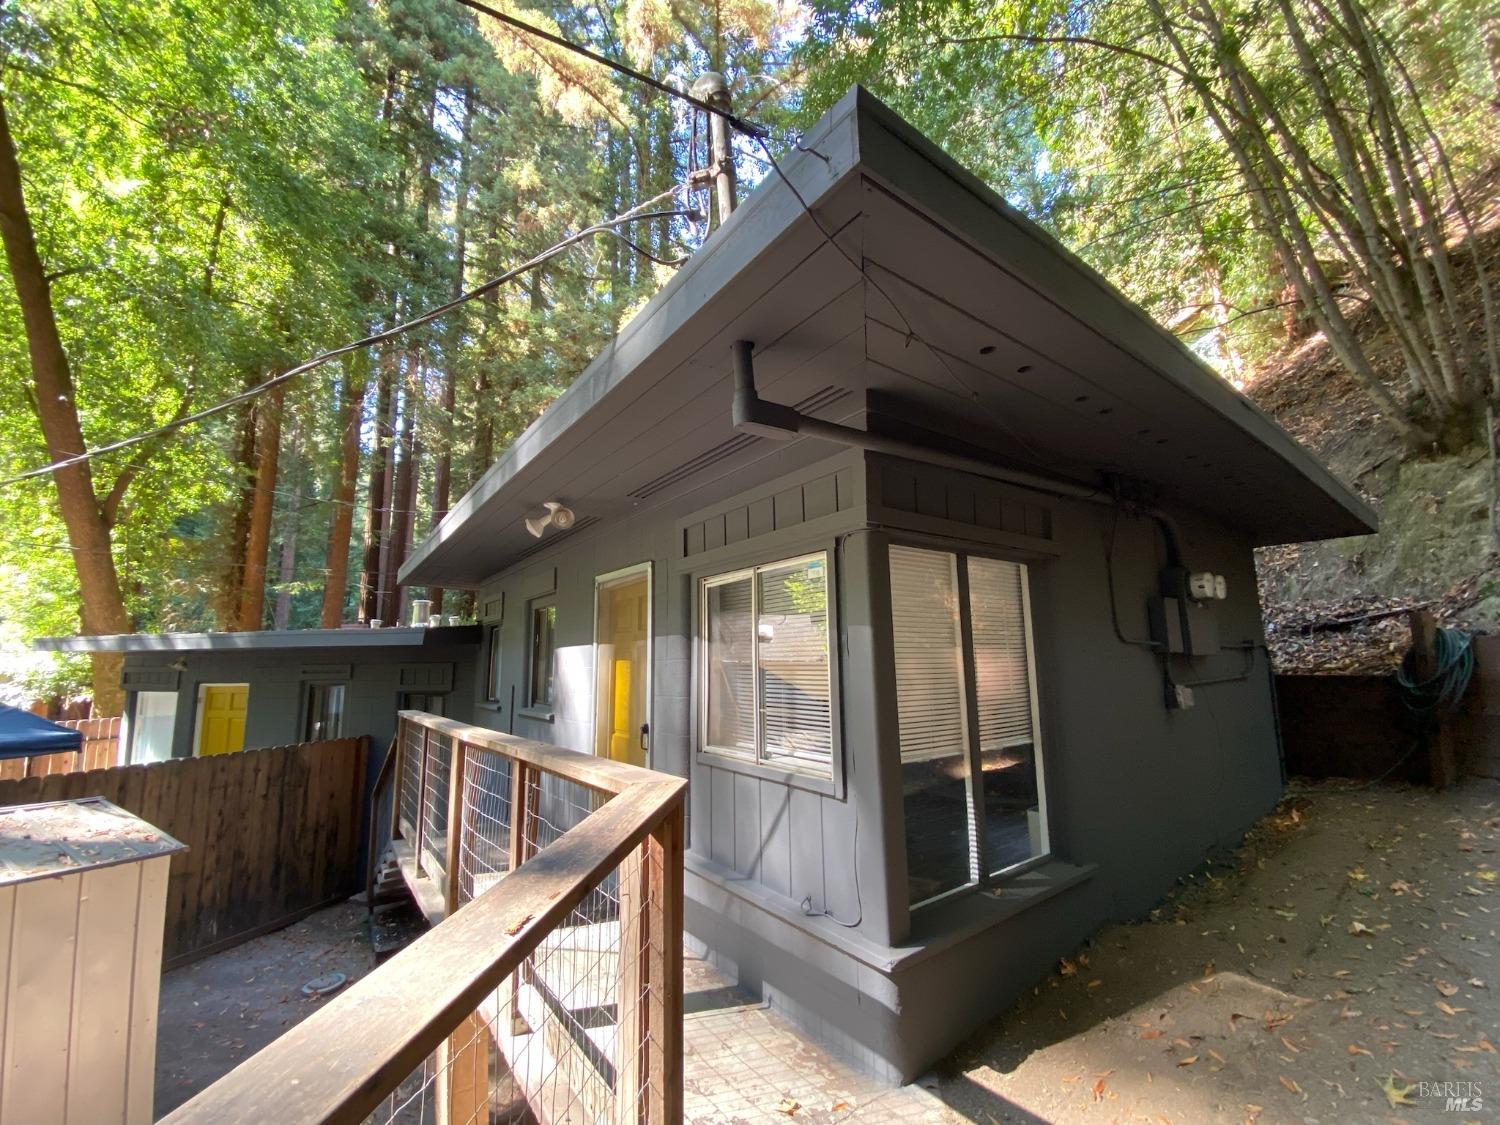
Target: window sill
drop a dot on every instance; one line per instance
(948, 921)
(537, 714)
(793, 779)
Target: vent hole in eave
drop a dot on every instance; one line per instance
(1025, 367)
(988, 349)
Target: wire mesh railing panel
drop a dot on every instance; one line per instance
(434, 848)
(567, 1037)
(485, 839)
(553, 806)
(409, 746)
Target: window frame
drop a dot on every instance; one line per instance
(828, 781)
(493, 666)
(309, 687)
(133, 724)
(983, 879)
(545, 711)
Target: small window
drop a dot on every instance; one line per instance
(541, 694)
(152, 724)
(430, 702)
(492, 665)
(325, 712)
(766, 684)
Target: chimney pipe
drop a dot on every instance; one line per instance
(712, 89)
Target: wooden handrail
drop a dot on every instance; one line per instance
(339, 1064)
(604, 775)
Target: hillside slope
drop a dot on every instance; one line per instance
(1435, 543)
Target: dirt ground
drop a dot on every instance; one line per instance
(217, 1012)
(1340, 967)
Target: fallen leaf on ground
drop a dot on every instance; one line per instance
(1359, 928)
(1152, 1034)
(1448, 1009)
(839, 1106)
(1189, 1061)
(1276, 1019)
(1445, 988)
(1215, 1055)
(788, 1106)
(1099, 1090)
(1290, 1085)
(1356, 1049)
(1290, 1046)
(1066, 967)
(1394, 1094)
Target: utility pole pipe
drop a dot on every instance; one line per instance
(714, 90)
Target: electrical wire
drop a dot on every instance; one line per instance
(639, 213)
(746, 127)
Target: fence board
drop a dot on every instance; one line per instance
(271, 834)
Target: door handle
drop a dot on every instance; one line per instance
(645, 734)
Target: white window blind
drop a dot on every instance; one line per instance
(767, 688)
(1002, 673)
(929, 665)
(792, 629)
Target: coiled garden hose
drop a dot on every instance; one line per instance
(1445, 688)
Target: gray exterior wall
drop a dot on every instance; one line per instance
(798, 885)
(278, 679)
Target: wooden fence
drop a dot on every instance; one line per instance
(101, 749)
(272, 834)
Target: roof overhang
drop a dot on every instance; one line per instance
(965, 316)
(268, 640)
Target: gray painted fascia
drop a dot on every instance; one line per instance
(265, 640)
(767, 217)
(1059, 274)
(861, 137)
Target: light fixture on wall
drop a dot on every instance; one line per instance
(557, 516)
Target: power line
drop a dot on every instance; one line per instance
(639, 213)
(748, 128)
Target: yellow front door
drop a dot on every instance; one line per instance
(620, 641)
(221, 718)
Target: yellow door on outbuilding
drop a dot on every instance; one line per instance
(221, 718)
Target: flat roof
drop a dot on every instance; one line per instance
(267, 640)
(64, 837)
(917, 287)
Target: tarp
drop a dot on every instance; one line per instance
(23, 734)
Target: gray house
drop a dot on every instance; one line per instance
(190, 694)
(927, 558)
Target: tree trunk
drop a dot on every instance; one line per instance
(341, 521)
(102, 607)
(232, 579)
(262, 506)
(443, 469)
(369, 580)
(401, 497)
(281, 616)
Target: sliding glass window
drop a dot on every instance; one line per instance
(965, 688)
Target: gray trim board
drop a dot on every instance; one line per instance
(265, 640)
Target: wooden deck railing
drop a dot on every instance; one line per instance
(553, 983)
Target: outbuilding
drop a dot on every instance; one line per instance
(927, 557)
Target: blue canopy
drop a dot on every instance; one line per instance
(23, 734)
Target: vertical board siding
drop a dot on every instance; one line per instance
(271, 834)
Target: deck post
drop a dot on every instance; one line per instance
(631, 1028)
(457, 769)
(420, 843)
(662, 954)
(520, 833)
(463, 1073)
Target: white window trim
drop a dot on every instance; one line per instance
(757, 758)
